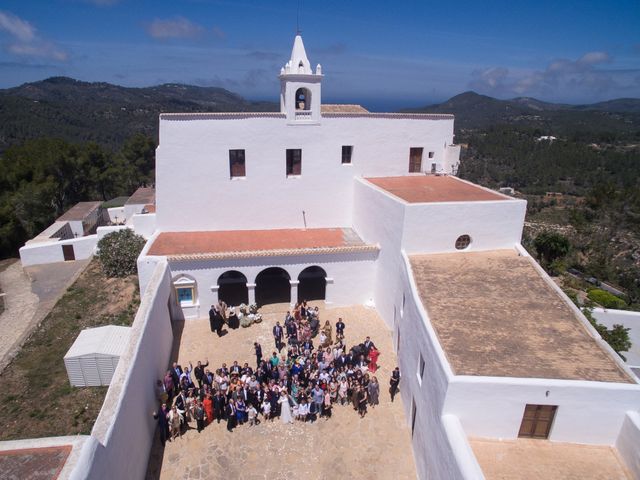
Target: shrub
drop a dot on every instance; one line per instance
(118, 252)
(551, 246)
(606, 299)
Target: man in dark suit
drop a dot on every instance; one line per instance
(340, 329)
(176, 372)
(219, 406)
(231, 415)
(277, 335)
(368, 345)
(394, 382)
(258, 349)
(198, 372)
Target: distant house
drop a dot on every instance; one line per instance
(546, 138)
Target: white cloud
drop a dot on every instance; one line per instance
(177, 27)
(16, 27)
(582, 76)
(24, 40)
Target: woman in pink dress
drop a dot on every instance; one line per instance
(374, 353)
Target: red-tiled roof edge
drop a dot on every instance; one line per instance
(274, 253)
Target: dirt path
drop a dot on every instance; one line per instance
(30, 294)
(20, 305)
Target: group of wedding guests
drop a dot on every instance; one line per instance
(303, 382)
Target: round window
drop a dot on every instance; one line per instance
(463, 242)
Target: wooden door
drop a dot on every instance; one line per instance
(415, 160)
(537, 421)
(68, 253)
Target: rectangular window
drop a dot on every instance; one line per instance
(537, 421)
(236, 163)
(421, 365)
(415, 160)
(294, 161)
(347, 151)
(431, 154)
(185, 295)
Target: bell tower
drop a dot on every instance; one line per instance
(300, 87)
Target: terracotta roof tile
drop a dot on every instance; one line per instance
(342, 108)
(249, 243)
(434, 188)
(79, 211)
(142, 196)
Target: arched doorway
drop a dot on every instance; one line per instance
(272, 286)
(313, 284)
(233, 288)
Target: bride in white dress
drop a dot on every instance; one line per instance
(285, 409)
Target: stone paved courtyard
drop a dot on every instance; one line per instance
(345, 446)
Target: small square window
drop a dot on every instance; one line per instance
(294, 161)
(236, 163)
(185, 295)
(431, 154)
(347, 152)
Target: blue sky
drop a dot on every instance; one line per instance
(395, 53)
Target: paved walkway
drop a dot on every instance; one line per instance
(31, 293)
(345, 446)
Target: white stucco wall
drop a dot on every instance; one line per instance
(378, 218)
(588, 412)
(194, 152)
(122, 435)
(434, 227)
(131, 209)
(628, 319)
(628, 443)
(116, 212)
(434, 453)
(77, 228)
(102, 231)
(51, 252)
(351, 274)
(144, 224)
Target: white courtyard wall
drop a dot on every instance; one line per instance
(194, 153)
(588, 412)
(434, 454)
(130, 210)
(378, 218)
(123, 433)
(51, 252)
(628, 443)
(352, 276)
(144, 224)
(102, 231)
(116, 212)
(434, 227)
(77, 228)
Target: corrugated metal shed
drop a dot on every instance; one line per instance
(94, 356)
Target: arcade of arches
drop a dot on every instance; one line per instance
(273, 285)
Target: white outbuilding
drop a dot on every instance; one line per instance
(93, 357)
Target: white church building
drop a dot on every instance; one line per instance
(335, 203)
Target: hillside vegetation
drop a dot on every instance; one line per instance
(107, 114)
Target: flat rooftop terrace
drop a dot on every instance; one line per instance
(494, 315)
(524, 459)
(434, 188)
(248, 243)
